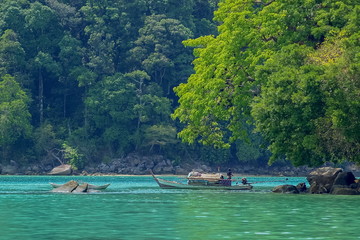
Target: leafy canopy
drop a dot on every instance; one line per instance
(14, 112)
(288, 67)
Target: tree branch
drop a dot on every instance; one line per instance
(54, 155)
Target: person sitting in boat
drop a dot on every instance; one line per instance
(221, 177)
(244, 181)
(229, 174)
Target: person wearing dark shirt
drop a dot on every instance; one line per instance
(229, 174)
(244, 181)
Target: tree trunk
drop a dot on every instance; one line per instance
(41, 97)
(64, 109)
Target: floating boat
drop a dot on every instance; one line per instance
(90, 186)
(203, 181)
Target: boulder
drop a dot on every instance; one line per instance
(168, 170)
(180, 171)
(64, 169)
(321, 180)
(285, 189)
(67, 187)
(74, 187)
(345, 179)
(301, 187)
(81, 188)
(344, 191)
(318, 188)
(345, 184)
(9, 170)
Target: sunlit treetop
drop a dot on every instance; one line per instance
(286, 67)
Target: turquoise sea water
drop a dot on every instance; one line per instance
(136, 208)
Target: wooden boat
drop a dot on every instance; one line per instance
(90, 186)
(220, 184)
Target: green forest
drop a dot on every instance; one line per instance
(223, 81)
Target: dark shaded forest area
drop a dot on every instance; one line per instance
(88, 81)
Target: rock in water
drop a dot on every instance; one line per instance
(301, 187)
(64, 169)
(285, 189)
(344, 191)
(81, 188)
(322, 179)
(67, 187)
(344, 184)
(345, 179)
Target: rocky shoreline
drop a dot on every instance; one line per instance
(325, 180)
(135, 164)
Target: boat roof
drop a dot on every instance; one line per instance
(205, 176)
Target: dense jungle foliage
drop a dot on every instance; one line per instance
(88, 81)
(96, 78)
(290, 68)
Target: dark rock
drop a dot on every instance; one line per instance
(322, 179)
(323, 175)
(137, 171)
(168, 169)
(33, 169)
(285, 189)
(9, 170)
(46, 168)
(164, 167)
(318, 188)
(67, 187)
(104, 168)
(344, 178)
(13, 163)
(301, 187)
(344, 191)
(343, 182)
(180, 171)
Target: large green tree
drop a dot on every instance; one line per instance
(289, 67)
(14, 114)
(12, 55)
(110, 111)
(159, 52)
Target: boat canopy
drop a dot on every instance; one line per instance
(197, 175)
(196, 178)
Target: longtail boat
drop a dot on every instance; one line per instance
(204, 181)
